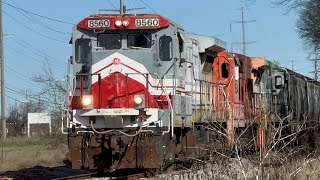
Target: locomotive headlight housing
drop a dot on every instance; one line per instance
(139, 101)
(125, 23)
(87, 101)
(118, 23)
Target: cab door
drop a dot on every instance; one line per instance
(223, 85)
(224, 91)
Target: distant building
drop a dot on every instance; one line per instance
(39, 124)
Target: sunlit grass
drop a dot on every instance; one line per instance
(21, 152)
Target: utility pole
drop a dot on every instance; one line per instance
(243, 22)
(243, 33)
(292, 64)
(3, 102)
(316, 70)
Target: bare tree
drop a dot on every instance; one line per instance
(52, 95)
(18, 116)
(309, 25)
(287, 5)
(290, 4)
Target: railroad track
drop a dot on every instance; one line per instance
(131, 177)
(97, 175)
(80, 176)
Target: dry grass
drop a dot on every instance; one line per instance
(21, 153)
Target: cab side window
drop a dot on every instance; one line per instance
(225, 70)
(83, 48)
(165, 48)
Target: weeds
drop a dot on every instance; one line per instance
(21, 152)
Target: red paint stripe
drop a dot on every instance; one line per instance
(140, 73)
(130, 68)
(103, 68)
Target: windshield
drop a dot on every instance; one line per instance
(109, 41)
(139, 39)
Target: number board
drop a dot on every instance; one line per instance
(147, 22)
(99, 23)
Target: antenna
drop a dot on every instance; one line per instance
(122, 10)
(122, 7)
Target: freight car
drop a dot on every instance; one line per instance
(290, 96)
(143, 93)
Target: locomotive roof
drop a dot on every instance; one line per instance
(130, 16)
(262, 62)
(258, 62)
(293, 73)
(206, 42)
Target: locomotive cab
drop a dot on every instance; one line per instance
(121, 64)
(139, 86)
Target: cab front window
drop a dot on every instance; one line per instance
(139, 39)
(109, 41)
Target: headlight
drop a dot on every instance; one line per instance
(118, 23)
(86, 101)
(138, 100)
(125, 23)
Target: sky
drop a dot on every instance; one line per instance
(32, 42)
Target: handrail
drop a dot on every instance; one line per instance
(81, 86)
(164, 88)
(169, 103)
(62, 120)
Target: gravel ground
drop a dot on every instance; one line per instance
(40, 172)
(230, 169)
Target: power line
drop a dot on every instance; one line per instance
(31, 97)
(17, 73)
(35, 14)
(32, 58)
(14, 99)
(13, 87)
(49, 104)
(13, 90)
(38, 52)
(38, 22)
(34, 31)
(148, 6)
(22, 77)
(112, 4)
